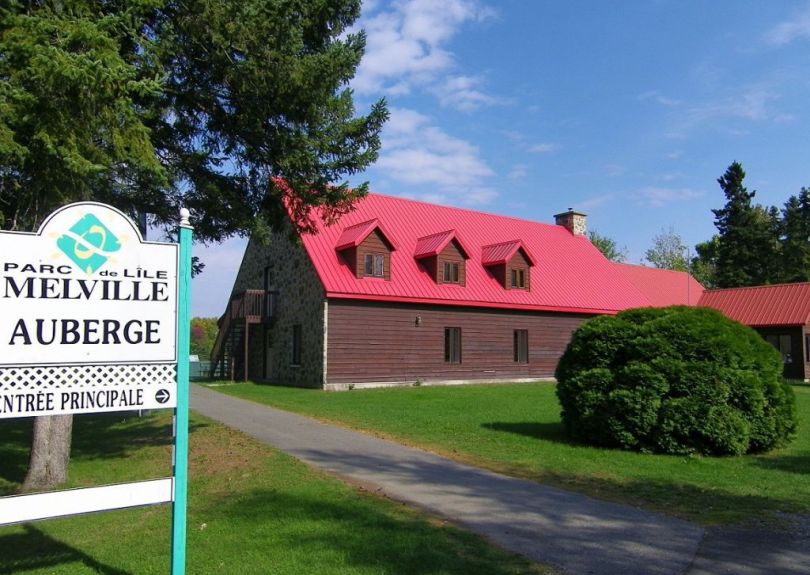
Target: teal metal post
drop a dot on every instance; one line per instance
(181, 411)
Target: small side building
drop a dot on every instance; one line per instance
(780, 313)
(402, 292)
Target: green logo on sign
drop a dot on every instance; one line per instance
(88, 243)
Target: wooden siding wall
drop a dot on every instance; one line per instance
(798, 368)
(451, 254)
(383, 342)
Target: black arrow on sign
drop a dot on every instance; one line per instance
(162, 396)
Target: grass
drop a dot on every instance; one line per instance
(251, 510)
(515, 429)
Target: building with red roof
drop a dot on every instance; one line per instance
(780, 313)
(401, 291)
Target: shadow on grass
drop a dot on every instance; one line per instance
(37, 550)
(107, 435)
(365, 536)
(548, 431)
(791, 463)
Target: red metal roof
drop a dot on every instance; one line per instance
(569, 274)
(432, 245)
(663, 287)
(760, 306)
(354, 235)
(497, 254)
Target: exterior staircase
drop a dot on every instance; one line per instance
(230, 354)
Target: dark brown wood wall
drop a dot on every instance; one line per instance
(518, 262)
(377, 341)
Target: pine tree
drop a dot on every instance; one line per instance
(795, 237)
(747, 248)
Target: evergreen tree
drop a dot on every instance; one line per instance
(795, 238)
(704, 264)
(747, 247)
(236, 109)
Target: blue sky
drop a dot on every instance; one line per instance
(628, 111)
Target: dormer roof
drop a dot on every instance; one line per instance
(354, 235)
(434, 244)
(502, 253)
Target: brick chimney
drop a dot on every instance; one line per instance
(574, 222)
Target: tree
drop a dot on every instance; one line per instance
(704, 264)
(203, 335)
(238, 110)
(608, 247)
(747, 251)
(795, 238)
(668, 251)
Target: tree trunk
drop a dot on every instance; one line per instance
(50, 452)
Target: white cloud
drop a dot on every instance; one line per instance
(657, 97)
(518, 172)
(406, 44)
(793, 29)
(463, 93)
(544, 148)
(754, 103)
(419, 153)
(656, 197)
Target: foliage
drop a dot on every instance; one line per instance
(748, 247)
(668, 251)
(149, 105)
(674, 380)
(515, 429)
(795, 237)
(704, 264)
(203, 335)
(608, 247)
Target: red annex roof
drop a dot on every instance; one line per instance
(433, 245)
(663, 287)
(353, 236)
(569, 273)
(761, 306)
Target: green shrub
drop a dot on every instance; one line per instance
(674, 380)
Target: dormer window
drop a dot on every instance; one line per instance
(366, 249)
(509, 263)
(443, 257)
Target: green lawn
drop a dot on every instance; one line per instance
(251, 510)
(516, 429)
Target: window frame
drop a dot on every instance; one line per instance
(452, 345)
(451, 272)
(374, 265)
(520, 345)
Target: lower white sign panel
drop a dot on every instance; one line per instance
(22, 508)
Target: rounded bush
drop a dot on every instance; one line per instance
(674, 380)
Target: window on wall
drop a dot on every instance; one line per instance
(452, 344)
(782, 342)
(807, 348)
(451, 272)
(374, 264)
(521, 345)
(296, 344)
(518, 278)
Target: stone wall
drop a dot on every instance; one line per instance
(301, 300)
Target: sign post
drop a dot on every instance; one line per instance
(95, 319)
(181, 411)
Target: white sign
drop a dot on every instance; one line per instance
(86, 290)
